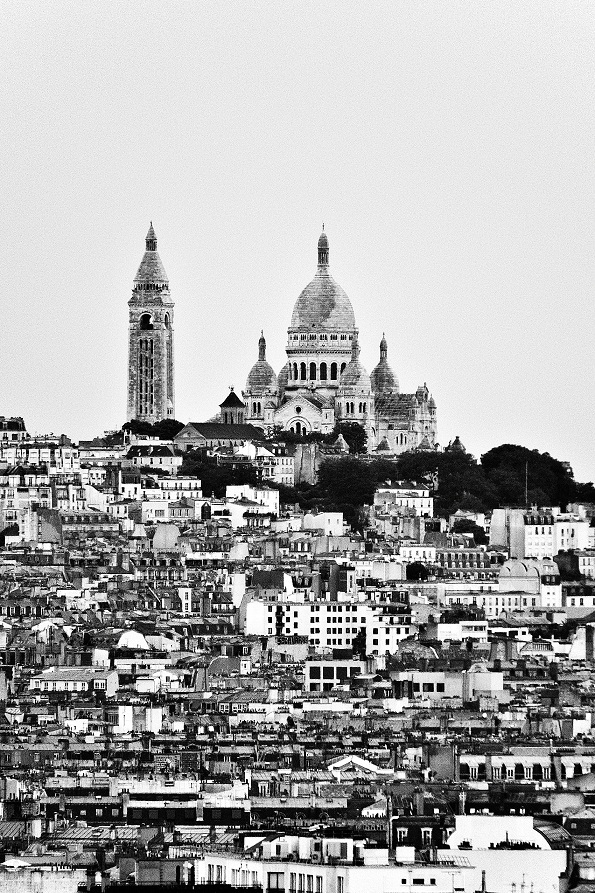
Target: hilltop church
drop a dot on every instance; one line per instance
(324, 382)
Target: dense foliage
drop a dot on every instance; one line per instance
(166, 429)
(455, 478)
(215, 478)
(353, 433)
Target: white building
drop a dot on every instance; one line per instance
(412, 552)
(329, 865)
(586, 563)
(332, 624)
(75, 679)
(507, 867)
(269, 498)
(330, 523)
(405, 495)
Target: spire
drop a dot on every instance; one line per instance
(151, 272)
(383, 348)
(323, 249)
(151, 239)
(262, 347)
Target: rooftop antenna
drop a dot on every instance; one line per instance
(526, 482)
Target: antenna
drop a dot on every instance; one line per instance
(526, 482)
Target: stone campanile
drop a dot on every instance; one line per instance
(151, 340)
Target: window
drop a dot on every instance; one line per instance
(276, 880)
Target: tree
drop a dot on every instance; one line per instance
(358, 644)
(353, 433)
(348, 484)
(417, 571)
(215, 478)
(465, 525)
(509, 466)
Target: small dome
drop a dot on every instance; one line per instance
(383, 379)
(283, 377)
(383, 446)
(355, 376)
(262, 375)
(455, 446)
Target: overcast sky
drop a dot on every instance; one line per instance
(448, 147)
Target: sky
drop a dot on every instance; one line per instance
(447, 147)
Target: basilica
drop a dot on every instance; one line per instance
(323, 381)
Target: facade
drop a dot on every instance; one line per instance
(324, 382)
(151, 340)
(538, 534)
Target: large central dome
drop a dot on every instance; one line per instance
(323, 304)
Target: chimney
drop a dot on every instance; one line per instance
(418, 800)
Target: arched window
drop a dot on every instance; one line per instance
(146, 322)
(342, 368)
(323, 371)
(303, 371)
(295, 372)
(312, 371)
(333, 371)
(259, 408)
(166, 320)
(364, 407)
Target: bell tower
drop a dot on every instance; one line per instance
(150, 340)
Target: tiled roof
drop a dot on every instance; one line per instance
(217, 431)
(232, 400)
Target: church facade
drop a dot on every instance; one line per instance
(323, 381)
